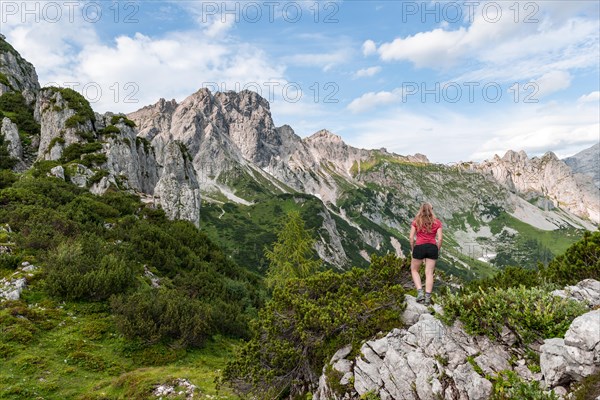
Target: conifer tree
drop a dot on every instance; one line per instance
(292, 255)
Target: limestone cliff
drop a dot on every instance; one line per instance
(545, 177)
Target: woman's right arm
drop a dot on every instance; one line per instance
(411, 239)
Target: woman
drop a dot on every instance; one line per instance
(428, 230)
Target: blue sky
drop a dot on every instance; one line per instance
(452, 80)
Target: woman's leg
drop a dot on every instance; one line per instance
(429, 269)
(415, 264)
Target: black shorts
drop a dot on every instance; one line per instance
(426, 250)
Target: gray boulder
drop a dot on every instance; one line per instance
(586, 291)
(576, 356)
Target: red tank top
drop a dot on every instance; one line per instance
(427, 237)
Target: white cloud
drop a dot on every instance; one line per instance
(326, 61)
(369, 47)
(373, 99)
(366, 72)
(593, 97)
(50, 47)
(549, 127)
(172, 67)
(446, 136)
(135, 70)
(506, 50)
(305, 116)
(552, 82)
(427, 49)
(215, 19)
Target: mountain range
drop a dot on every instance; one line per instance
(218, 160)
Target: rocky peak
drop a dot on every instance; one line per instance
(549, 156)
(245, 102)
(325, 136)
(16, 73)
(514, 157)
(418, 157)
(153, 119)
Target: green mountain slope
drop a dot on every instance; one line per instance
(122, 299)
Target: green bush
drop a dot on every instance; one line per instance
(40, 228)
(507, 278)
(89, 136)
(58, 139)
(48, 191)
(87, 210)
(86, 260)
(5, 47)
(532, 313)
(124, 203)
(165, 315)
(7, 178)
(140, 141)
(41, 169)
(82, 271)
(15, 107)
(109, 129)
(509, 386)
(580, 261)
(4, 80)
(9, 261)
(97, 177)
(16, 197)
(77, 103)
(93, 160)
(307, 320)
(76, 150)
(122, 118)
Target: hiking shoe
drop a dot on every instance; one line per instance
(420, 297)
(427, 302)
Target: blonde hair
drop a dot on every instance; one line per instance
(425, 218)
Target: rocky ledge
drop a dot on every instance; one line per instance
(429, 360)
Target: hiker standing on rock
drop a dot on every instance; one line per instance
(428, 231)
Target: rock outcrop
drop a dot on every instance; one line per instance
(586, 291)
(17, 74)
(10, 131)
(12, 287)
(55, 115)
(428, 360)
(568, 360)
(177, 188)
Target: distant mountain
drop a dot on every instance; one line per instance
(547, 181)
(587, 162)
(217, 159)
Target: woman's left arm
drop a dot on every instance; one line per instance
(439, 237)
